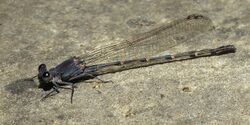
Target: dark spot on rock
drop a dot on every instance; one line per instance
(162, 95)
(195, 16)
(186, 89)
(61, 117)
(129, 113)
(178, 38)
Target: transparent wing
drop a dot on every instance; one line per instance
(152, 42)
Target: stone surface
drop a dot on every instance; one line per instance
(208, 91)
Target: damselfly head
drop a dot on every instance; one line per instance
(44, 76)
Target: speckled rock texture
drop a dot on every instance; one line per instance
(203, 91)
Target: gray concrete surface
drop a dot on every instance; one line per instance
(204, 91)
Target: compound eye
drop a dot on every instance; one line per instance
(46, 77)
(41, 66)
(46, 74)
(42, 69)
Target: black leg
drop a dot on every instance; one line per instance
(72, 89)
(56, 89)
(55, 84)
(72, 93)
(50, 93)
